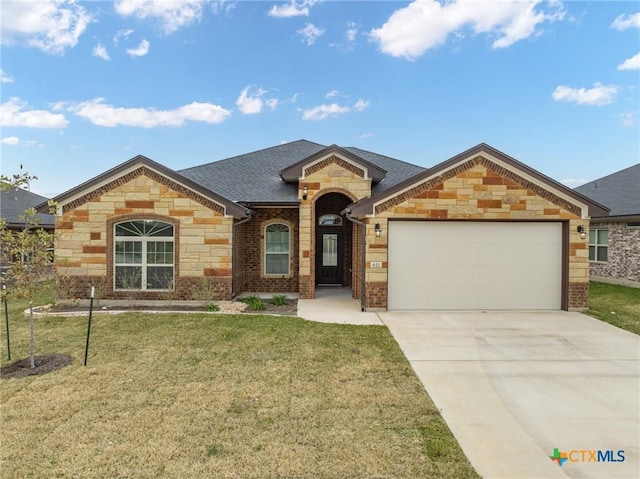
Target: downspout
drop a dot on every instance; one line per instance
(364, 253)
(233, 253)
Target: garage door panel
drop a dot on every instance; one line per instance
(474, 265)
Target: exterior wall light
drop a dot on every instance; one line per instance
(305, 191)
(582, 231)
(378, 230)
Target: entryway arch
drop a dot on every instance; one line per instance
(333, 235)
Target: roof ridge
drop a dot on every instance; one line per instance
(615, 173)
(261, 150)
(385, 156)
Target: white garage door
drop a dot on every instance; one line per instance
(474, 265)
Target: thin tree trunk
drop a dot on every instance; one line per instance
(32, 339)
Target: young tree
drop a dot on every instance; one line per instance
(28, 252)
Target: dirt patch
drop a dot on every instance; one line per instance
(44, 364)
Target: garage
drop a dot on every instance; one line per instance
(475, 265)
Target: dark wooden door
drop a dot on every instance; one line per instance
(329, 252)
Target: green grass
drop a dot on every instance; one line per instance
(203, 396)
(616, 305)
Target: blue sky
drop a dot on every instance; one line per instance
(87, 85)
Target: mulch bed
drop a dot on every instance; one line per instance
(44, 364)
(291, 308)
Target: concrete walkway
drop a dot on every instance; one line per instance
(335, 305)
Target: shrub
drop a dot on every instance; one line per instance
(254, 303)
(212, 307)
(278, 300)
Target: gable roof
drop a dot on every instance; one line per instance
(369, 170)
(368, 206)
(107, 180)
(619, 191)
(255, 177)
(13, 203)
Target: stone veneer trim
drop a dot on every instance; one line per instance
(338, 161)
(143, 171)
(478, 160)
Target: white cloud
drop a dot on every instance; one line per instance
(624, 21)
(361, 105)
(250, 105)
(292, 9)
(12, 113)
(322, 112)
(364, 136)
(632, 63)
(101, 52)
(219, 6)
(272, 103)
(311, 33)
(599, 95)
(411, 31)
(122, 34)
(50, 25)
(173, 14)
(139, 51)
(629, 119)
(99, 113)
(10, 140)
(5, 78)
(352, 31)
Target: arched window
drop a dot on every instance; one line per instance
(143, 255)
(277, 249)
(330, 220)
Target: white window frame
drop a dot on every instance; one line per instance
(143, 265)
(287, 253)
(596, 246)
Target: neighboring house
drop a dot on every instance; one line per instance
(14, 202)
(478, 231)
(614, 240)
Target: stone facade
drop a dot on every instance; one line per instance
(206, 267)
(478, 190)
(202, 238)
(623, 260)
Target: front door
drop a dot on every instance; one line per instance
(329, 258)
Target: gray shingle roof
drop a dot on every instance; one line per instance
(255, 177)
(14, 202)
(619, 191)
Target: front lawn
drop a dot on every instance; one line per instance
(615, 304)
(204, 396)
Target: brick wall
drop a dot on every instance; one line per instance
(376, 295)
(623, 260)
(252, 252)
(356, 281)
(578, 295)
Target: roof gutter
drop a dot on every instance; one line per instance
(363, 261)
(233, 253)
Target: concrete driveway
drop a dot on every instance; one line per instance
(514, 386)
